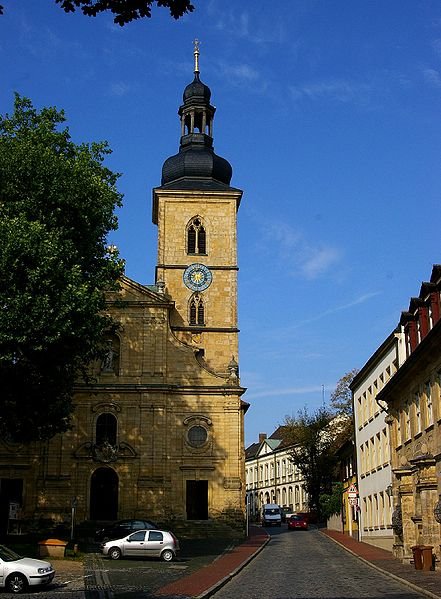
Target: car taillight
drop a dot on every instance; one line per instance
(175, 540)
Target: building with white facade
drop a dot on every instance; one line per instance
(271, 477)
(372, 442)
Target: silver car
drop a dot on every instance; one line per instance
(144, 543)
(18, 573)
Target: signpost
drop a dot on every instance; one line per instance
(353, 503)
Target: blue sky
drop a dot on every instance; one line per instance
(329, 112)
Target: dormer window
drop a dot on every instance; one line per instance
(196, 237)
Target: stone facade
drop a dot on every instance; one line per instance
(413, 399)
(160, 432)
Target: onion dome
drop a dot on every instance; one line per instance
(196, 90)
(196, 166)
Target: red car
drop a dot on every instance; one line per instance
(297, 522)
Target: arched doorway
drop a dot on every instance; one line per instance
(104, 494)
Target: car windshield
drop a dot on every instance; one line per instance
(7, 555)
(296, 518)
(272, 511)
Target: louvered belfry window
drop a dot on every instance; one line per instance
(196, 311)
(196, 237)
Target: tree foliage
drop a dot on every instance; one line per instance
(331, 503)
(125, 11)
(341, 397)
(312, 437)
(57, 203)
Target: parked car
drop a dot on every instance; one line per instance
(297, 521)
(143, 543)
(18, 573)
(122, 528)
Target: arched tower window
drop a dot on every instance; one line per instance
(196, 310)
(196, 237)
(106, 429)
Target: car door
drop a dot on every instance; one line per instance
(2, 573)
(155, 543)
(135, 544)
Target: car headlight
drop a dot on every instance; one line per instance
(44, 570)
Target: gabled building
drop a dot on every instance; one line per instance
(413, 400)
(271, 477)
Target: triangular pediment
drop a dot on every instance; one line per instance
(132, 291)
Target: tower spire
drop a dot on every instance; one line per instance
(196, 56)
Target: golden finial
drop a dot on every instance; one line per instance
(196, 56)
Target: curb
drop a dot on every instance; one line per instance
(414, 587)
(210, 591)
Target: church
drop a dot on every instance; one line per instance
(159, 434)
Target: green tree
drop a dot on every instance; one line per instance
(341, 397)
(57, 202)
(331, 503)
(312, 437)
(125, 11)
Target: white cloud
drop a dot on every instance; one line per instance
(242, 72)
(337, 90)
(274, 392)
(432, 77)
(355, 302)
(308, 258)
(319, 261)
(436, 45)
(119, 88)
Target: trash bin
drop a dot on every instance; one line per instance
(417, 557)
(52, 548)
(427, 557)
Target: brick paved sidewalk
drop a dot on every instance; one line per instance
(427, 583)
(206, 581)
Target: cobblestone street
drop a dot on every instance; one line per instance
(307, 565)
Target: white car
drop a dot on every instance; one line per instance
(143, 543)
(18, 573)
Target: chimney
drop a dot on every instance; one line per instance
(262, 437)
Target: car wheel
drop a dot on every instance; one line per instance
(115, 553)
(167, 555)
(16, 583)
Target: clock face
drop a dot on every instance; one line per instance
(197, 277)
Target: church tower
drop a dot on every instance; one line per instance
(195, 210)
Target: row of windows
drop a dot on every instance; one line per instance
(367, 406)
(377, 511)
(106, 431)
(419, 411)
(374, 453)
(293, 497)
(265, 472)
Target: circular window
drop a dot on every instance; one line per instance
(197, 436)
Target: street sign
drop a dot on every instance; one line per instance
(353, 501)
(352, 491)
